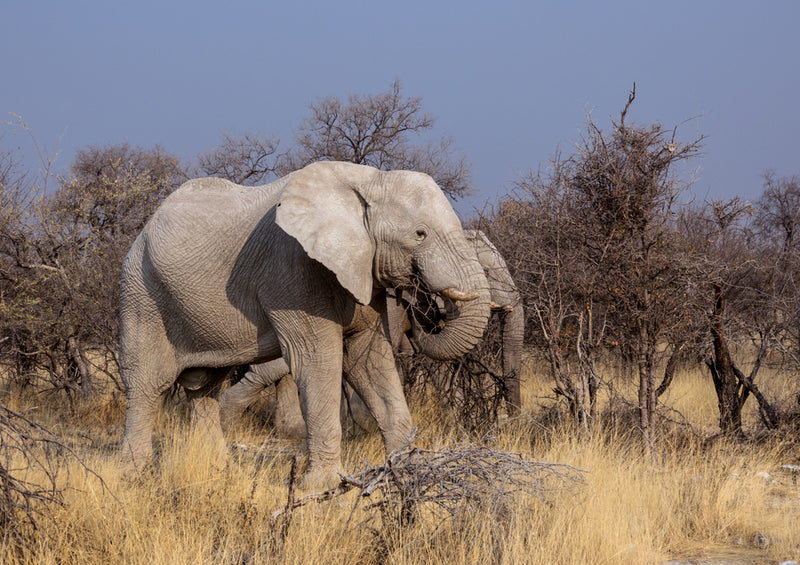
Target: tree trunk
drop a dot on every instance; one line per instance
(647, 386)
(723, 374)
(669, 370)
(78, 357)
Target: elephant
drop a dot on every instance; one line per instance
(288, 418)
(505, 295)
(224, 275)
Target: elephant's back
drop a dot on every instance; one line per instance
(204, 202)
(203, 217)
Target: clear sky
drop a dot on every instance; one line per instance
(510, 81)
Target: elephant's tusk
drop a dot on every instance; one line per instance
(495, 306)
(455, 294)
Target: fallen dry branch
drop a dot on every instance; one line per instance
(448, 479)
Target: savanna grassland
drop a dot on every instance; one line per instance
(685, 497)
(611, 253)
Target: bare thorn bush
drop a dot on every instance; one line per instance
(30, 461)
(473, 387)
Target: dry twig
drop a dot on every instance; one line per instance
(30, 460)
(445, 480)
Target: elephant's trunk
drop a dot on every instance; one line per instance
(467, 314)
(513, 334)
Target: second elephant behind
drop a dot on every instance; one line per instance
(288, 418)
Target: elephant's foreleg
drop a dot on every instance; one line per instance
(315, 359)
(513, 333)
(370, 369)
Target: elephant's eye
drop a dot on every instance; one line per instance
(421, 234)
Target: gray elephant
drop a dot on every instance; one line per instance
(224, 275)
(288, 418)
(505, 295)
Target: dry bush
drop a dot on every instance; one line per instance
(415, 482)
(472, 387)
(25, 449)
(31, 477)
(593, 247)
(61, 252)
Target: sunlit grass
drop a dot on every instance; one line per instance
(688, 497)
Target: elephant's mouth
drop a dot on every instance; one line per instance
(427, 309)
(447, 323)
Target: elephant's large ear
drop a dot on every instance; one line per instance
(321, 209)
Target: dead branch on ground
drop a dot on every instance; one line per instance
(446, 480)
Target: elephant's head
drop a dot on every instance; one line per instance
(429, 313)
(375, 229)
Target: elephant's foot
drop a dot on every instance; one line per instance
(211, 451)
(219, 458)
(289, 422)
(208, 431)
(134, 470)
(137, 475)
(319, 478)
(290, 430)
(399, 434)
(135, 458)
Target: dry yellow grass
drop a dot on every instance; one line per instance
(688, 498)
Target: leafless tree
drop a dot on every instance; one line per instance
(538, 233)
(743, 291)
(778, 211)
(249, 159)
(379, 130)
(628, 190)
(61, 256)
(596, 251)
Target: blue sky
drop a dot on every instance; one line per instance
(510, 82)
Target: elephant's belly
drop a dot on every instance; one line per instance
(224, 341)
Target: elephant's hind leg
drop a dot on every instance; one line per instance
(137, 443)
(144, 386)
(205, 412)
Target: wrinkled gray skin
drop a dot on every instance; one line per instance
(224, 275)
(504, 294)
(288, 420)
